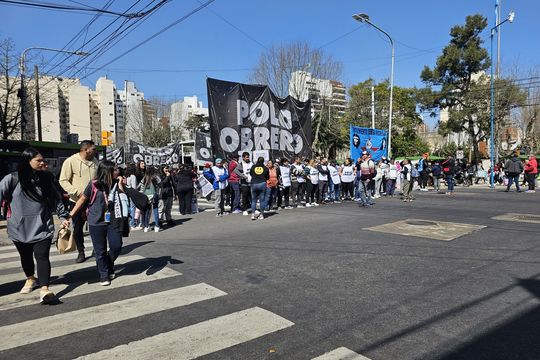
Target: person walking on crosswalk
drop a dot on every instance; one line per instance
(32, 196)
(107, 208)
(76, 173)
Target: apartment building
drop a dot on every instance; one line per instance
(323, 93)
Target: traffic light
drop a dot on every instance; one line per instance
(106, 137)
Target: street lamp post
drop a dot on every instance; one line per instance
(22, 91)
(365, 18)
(510, 19)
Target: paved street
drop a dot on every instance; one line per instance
(446, 281)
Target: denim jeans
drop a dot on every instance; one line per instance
(258, 192)
(513, 178)
(390, 186)
(235, 187)
(363, 191)
(101, 234)
(132, 221)
(450, 182)
(146, 217)
(271, 195)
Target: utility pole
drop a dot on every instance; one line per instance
(38, 105)
(498, 20)
(373, 107)
(22, 97)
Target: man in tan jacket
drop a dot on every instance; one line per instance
(77, 171)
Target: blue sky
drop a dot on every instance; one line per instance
(207, 45)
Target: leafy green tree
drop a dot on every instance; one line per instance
(457, 83)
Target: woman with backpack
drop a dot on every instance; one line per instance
(150, 186)
(436, 172)
(32, 196)
(107, 213)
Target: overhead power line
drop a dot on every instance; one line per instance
(53, 6)
(183, 18)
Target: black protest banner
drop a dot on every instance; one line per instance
(166, 155)
(116, 155)
(251, 118)
(203, 147)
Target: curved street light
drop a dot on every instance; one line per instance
(365, 18)
(510, 19)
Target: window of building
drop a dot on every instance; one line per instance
(111, 114)
(110, 102)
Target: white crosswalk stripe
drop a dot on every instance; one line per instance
(62, 270)
(341, 353)
(16, 300)
(71, 282)
(200, 339)
(53, 257)
(49, 327)
(13, 252)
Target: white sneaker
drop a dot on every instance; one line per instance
(147, 229)
(138, 227)
(156, 229)
(245, 213)
(288, 207)
(105, 283)
(308, 205)
(257, 212)
(300, 206)
(314, 204)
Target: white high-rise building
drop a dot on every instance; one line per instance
(304, 86)
(79, 112)
(106, 102)
(182, 110)
(131, 101)
(53, 93)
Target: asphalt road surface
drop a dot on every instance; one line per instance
(438, 278)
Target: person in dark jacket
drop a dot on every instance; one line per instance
(184, 188)
(259, 176)
(32, 196)
(513, 168)
(448, 167)
(168, 193)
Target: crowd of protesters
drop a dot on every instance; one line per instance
(114, 201)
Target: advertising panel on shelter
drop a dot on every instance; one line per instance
(251, 118)
(367, 139)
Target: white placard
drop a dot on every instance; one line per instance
(264, 153)
(206, 186)
(285, 175)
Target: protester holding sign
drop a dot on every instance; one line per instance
(298, 183)
(284, 184)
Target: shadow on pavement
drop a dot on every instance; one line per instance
(517, 338)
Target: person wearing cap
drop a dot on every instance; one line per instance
(234, 184)
(531, 171)
(219, 176)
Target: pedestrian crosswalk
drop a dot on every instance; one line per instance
(70, 282)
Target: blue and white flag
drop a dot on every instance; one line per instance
(374, 141)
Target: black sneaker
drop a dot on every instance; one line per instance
(81, 258)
